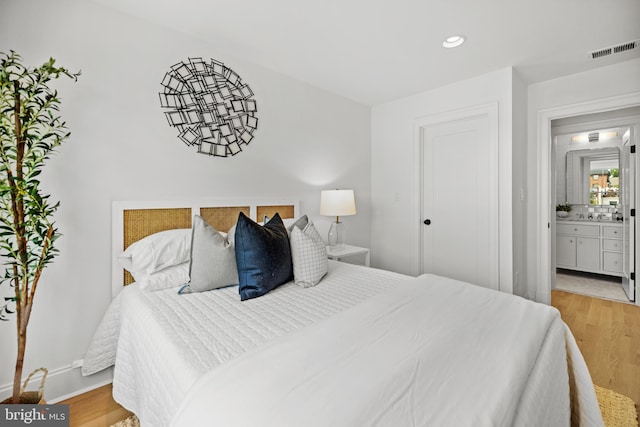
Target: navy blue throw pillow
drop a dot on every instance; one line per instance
(263, 256)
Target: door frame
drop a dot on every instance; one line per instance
(545, 210)
(501, 153)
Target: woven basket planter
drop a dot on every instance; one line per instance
(31, 397)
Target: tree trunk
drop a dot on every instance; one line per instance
(17, 379)
(23, 306)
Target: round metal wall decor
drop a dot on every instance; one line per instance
(210, 105)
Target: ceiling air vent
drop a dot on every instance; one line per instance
(600, 53)
(623, 47)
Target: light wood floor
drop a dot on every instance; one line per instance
(95, 409)
(607, 332)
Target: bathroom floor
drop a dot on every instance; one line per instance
(594, 285)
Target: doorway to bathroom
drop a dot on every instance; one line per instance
(593, 188)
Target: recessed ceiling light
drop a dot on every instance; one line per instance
(453, 41)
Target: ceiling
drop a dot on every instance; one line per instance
(374, 51)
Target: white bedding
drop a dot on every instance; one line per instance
(166, 342)
(436, 363)
(497, 357)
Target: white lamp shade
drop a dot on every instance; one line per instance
(337, 203)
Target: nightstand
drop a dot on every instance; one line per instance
(348, 251)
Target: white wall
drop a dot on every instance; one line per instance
(599, 85)
(122, 148)
(393, 183)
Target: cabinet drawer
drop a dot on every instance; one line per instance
(579, 230)
(612, 262)
(612, 232)
(612, 245)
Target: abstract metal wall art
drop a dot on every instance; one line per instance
(210, 105)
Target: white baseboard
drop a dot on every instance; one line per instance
(63, 383)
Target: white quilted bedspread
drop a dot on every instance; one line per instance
(446, 353)
(163, 344)
(166, 342)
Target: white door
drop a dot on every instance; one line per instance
(459, 201)
(628, 179)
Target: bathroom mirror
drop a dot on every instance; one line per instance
(593, 176)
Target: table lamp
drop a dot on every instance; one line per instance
(337, 203)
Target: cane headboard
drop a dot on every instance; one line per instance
(131, 221)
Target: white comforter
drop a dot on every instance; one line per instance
(162, 343)
(462, 350)
(435, 352)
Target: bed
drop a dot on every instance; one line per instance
(362, 347)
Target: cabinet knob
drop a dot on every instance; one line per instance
(427, 221)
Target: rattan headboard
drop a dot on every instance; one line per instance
(134, 220)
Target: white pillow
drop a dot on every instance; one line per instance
(170, 277)
(157, 252)
(231, 235)
(309, 256)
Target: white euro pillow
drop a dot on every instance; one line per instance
(157, 252)
(170, 277)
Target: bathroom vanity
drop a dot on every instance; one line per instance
(591, 246)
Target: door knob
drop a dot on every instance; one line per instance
(427, 221)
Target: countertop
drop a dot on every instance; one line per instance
(590, 221)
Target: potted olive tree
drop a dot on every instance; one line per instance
(30, 130)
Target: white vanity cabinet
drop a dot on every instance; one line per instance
(578, 246)
(588, 246)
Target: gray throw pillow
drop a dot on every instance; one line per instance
(213, 259)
